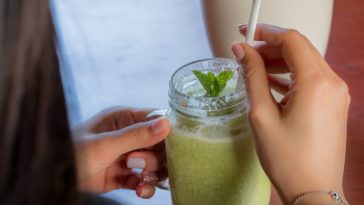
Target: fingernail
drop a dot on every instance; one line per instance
(238, 51)
(136, 163)
(158, 126)
(143, 192)
(242, 26)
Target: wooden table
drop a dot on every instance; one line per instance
(346, 56)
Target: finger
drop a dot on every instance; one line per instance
(145, 191)
(117, 176)
(141, 114)
(244, 28)
(256, 81)
(115, 118)
(279, 84)
(93, 184)
(162, 174)
(147, 160)
(272, 57)
(161, 146)
(110, 145)
(268, 51)
(243, 31)
(130, 181)
(294, 47)
(136, 114)
(120, 112)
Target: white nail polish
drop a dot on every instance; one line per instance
(136, 163)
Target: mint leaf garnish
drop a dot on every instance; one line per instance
(212, 84)
(204, 80)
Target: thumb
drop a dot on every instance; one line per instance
(140, 135)
(260, 99)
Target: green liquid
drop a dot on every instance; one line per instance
(209, 170)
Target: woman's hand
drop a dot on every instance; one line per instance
(300, 140)
(113, 142)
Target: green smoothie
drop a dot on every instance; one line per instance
(210, 150)
(214, 163)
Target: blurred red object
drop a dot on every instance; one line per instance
(345, 54)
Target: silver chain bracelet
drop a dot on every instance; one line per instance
(335, 196)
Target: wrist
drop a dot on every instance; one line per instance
(320, 198)
(292, 189)
(288, 195)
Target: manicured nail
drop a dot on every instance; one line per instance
(238, 51)
(242, 26)
(158, 126)
(144, 192)
(136, 163)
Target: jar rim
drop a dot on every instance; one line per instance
(235, 98)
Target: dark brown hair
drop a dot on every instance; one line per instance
(36, 151)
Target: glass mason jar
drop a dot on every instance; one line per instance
(210, 149)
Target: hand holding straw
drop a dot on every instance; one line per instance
(252, 25)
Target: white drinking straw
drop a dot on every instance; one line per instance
(252, 26)
(253, 20)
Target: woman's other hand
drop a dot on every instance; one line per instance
(113, 142)
(300, 140)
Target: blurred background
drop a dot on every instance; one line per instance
(119, 52)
